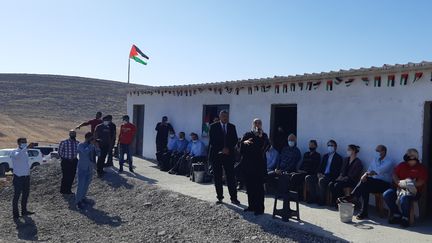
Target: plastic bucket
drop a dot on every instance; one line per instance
(199, 176)
(346, 211)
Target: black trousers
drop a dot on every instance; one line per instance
(110, 156)
(337, 187)
(255, 192)
(371, 185)
(104, 149)
(161, 147)
(224, 163)
(317, 187)
(21, 188)
(68, 167)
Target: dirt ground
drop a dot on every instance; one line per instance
(128, 208)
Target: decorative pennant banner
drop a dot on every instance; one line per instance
(285, 88)
(309, 86)
(417, 76)
(292, 87)
(228, 90)
(329, 85)
(377, 81)
(404, 79)
(391, 80)
(349, 82)
(257, 88)
(316, 84)
(366, 80)
(250, 90)
(276, 89)
(220, 91)
(338, 80)
(265, 88)
(300, 86)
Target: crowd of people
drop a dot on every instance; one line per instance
(255, 160)
(265, 165)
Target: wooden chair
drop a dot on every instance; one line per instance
(379, 205)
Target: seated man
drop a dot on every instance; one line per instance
(309, 166)
(196, 152)
(410, 178)
(166, 156)
(287, 163)
(272, 156)
(328, 171)
(180, 149)
(377, 179)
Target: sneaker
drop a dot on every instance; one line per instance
(361, 216)
(257, 213)
(235, 201)
(26, 213)
(131, 170)
(219, 201)
(404, 222)
(80, 205)
(120, 170)
(248, 209)
(395, 219)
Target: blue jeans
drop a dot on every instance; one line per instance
(390, 197)
(125, 149)
(84, 179)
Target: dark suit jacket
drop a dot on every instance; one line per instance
(335, 167)
(218, 140)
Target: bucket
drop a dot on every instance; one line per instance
(346, 211)
(199, 176)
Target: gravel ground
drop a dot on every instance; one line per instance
(128, 209)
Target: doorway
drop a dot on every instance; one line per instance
(210, 115)
(138, 121)
(283, 116)
(427, 160)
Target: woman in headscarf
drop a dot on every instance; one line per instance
(253, 147)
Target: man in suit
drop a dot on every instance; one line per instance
(328, 171)
(222, 141)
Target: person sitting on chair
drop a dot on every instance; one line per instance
(409, 178)
(196, 152)
(351, 172)
(272, 156)
(166, 156)
(328, 171)
(377, 179)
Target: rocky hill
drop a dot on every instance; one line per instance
(44, 107)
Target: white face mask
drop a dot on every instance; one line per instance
(378, 155)
(194, 141)
(106, 123)
(349, 152)
(291, 143)
(171, 135)
(330, 149)
(23, 145)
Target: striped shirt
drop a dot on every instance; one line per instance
(68, 149)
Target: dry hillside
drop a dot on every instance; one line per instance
(44, 107)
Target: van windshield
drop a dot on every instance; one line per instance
(5, 153)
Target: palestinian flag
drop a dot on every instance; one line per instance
(417, 76)
(137, 55)
(349, 82)
(391, 80)
(309, 86)
(365, 80)
(316, 84)
(404, 79)
(377, 81)
(292, 87)
(329, 85)
(338, 80)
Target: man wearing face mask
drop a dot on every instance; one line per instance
(180, 150)
(165, 159)
(126, 136)
(103, 135)
(195, 152)
(68, 150)
(328, 170)
(21, 177)
(287, 163)
(377, 179)
(409, 179)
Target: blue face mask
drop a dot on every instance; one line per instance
(330, 149)
(291, 143)
(23, 145)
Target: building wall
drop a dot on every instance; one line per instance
(359, 114)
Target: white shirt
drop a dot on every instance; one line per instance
(20, 162)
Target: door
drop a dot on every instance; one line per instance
(138, 121)
(283, 121)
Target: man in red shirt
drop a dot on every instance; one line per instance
(93, 123)
(126, 136)
(409, 178)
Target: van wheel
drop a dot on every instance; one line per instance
(3, 169)
(34, 164)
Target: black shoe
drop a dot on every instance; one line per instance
(361, 216)
(259, 213)
(404, 222)
(120, 170)
(80, 205)
(248, 209)
(16, 216)
(131, 170)
(395, 220)
(26, 213)
(171, 172)
(235, 201)
(219, 201)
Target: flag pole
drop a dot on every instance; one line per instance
(128, 69)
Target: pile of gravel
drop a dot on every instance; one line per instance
(128, 209)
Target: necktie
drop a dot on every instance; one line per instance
(224, 127)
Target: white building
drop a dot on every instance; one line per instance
(388, 105)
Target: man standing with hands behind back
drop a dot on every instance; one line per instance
(222, 141)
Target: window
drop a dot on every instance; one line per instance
(210, 115)
(33, 153)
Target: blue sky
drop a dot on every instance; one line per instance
(208, 41)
